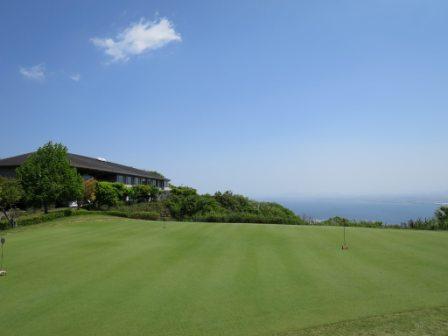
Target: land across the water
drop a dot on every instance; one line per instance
(100, 275)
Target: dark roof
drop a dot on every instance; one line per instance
(80, 161)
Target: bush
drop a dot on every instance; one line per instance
(42, 217)
(89, 191)
(107, 194)
(143, 193)
(68, 212)
(245, 218)
(422, 224)
(441, 218)
(185, 202)
(121, 190)
(147, 215)
(232, 202)
(340, 221)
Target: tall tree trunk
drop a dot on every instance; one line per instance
(45, 207)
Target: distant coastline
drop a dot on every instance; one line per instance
(388, 210)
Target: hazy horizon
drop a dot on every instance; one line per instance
(268, 99)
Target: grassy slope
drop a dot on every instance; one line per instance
(103, 276)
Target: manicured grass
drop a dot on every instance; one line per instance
(96, 275)
(421, 322)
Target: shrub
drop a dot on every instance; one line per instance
(441, 218)
(121, 190)
(10, 194)
(46, 217)
(144, 193)
(422, 224)
(235, 217)
(68, 212)
(147, 215)
(106, 194)
(340, 221)
(232, 202)
(89, 191)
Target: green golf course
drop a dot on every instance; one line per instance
(99, 275)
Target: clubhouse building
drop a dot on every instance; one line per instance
(99, 168)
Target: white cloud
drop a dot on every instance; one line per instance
(36, 72)
(138, 38)
(75, 77)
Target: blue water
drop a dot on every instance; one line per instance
(389, 211)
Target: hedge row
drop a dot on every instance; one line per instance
(147, 215)
(246, 218)
(42, 218)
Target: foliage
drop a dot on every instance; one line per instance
(46, 217)
(147, 215)
(244, 217)
(158, 207)
(232, 202)
(47, 177)
(106, 194)
(340, 221)
(89, 191)
(121, 190)
(421, 224)
(441, 218)
(10, 194)
(144, 193)
(184, 203)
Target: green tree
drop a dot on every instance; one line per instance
(122, 190)
(154, 193)
(232, 202)
(144, 193)
(10, 193)
(441, 216)
(47, 177)
(106, 194)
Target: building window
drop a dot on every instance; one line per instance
(136, 180)
(120, 178)
(159, 183)
(128, 180)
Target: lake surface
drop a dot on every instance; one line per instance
(389, 211)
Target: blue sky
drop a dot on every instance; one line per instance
(266, 98)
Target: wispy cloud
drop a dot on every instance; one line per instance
(140, 37)
(75, 77)
(36, 72)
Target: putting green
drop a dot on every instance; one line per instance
(96, 275)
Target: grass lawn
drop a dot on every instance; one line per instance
(95, 275)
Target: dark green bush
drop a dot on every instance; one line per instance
(422, 224)
(121, 191)
(147, 215)
(238, 217)
(107, 194)
(232, 202)
(68, 212)
(42, 217)
(340, 221)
